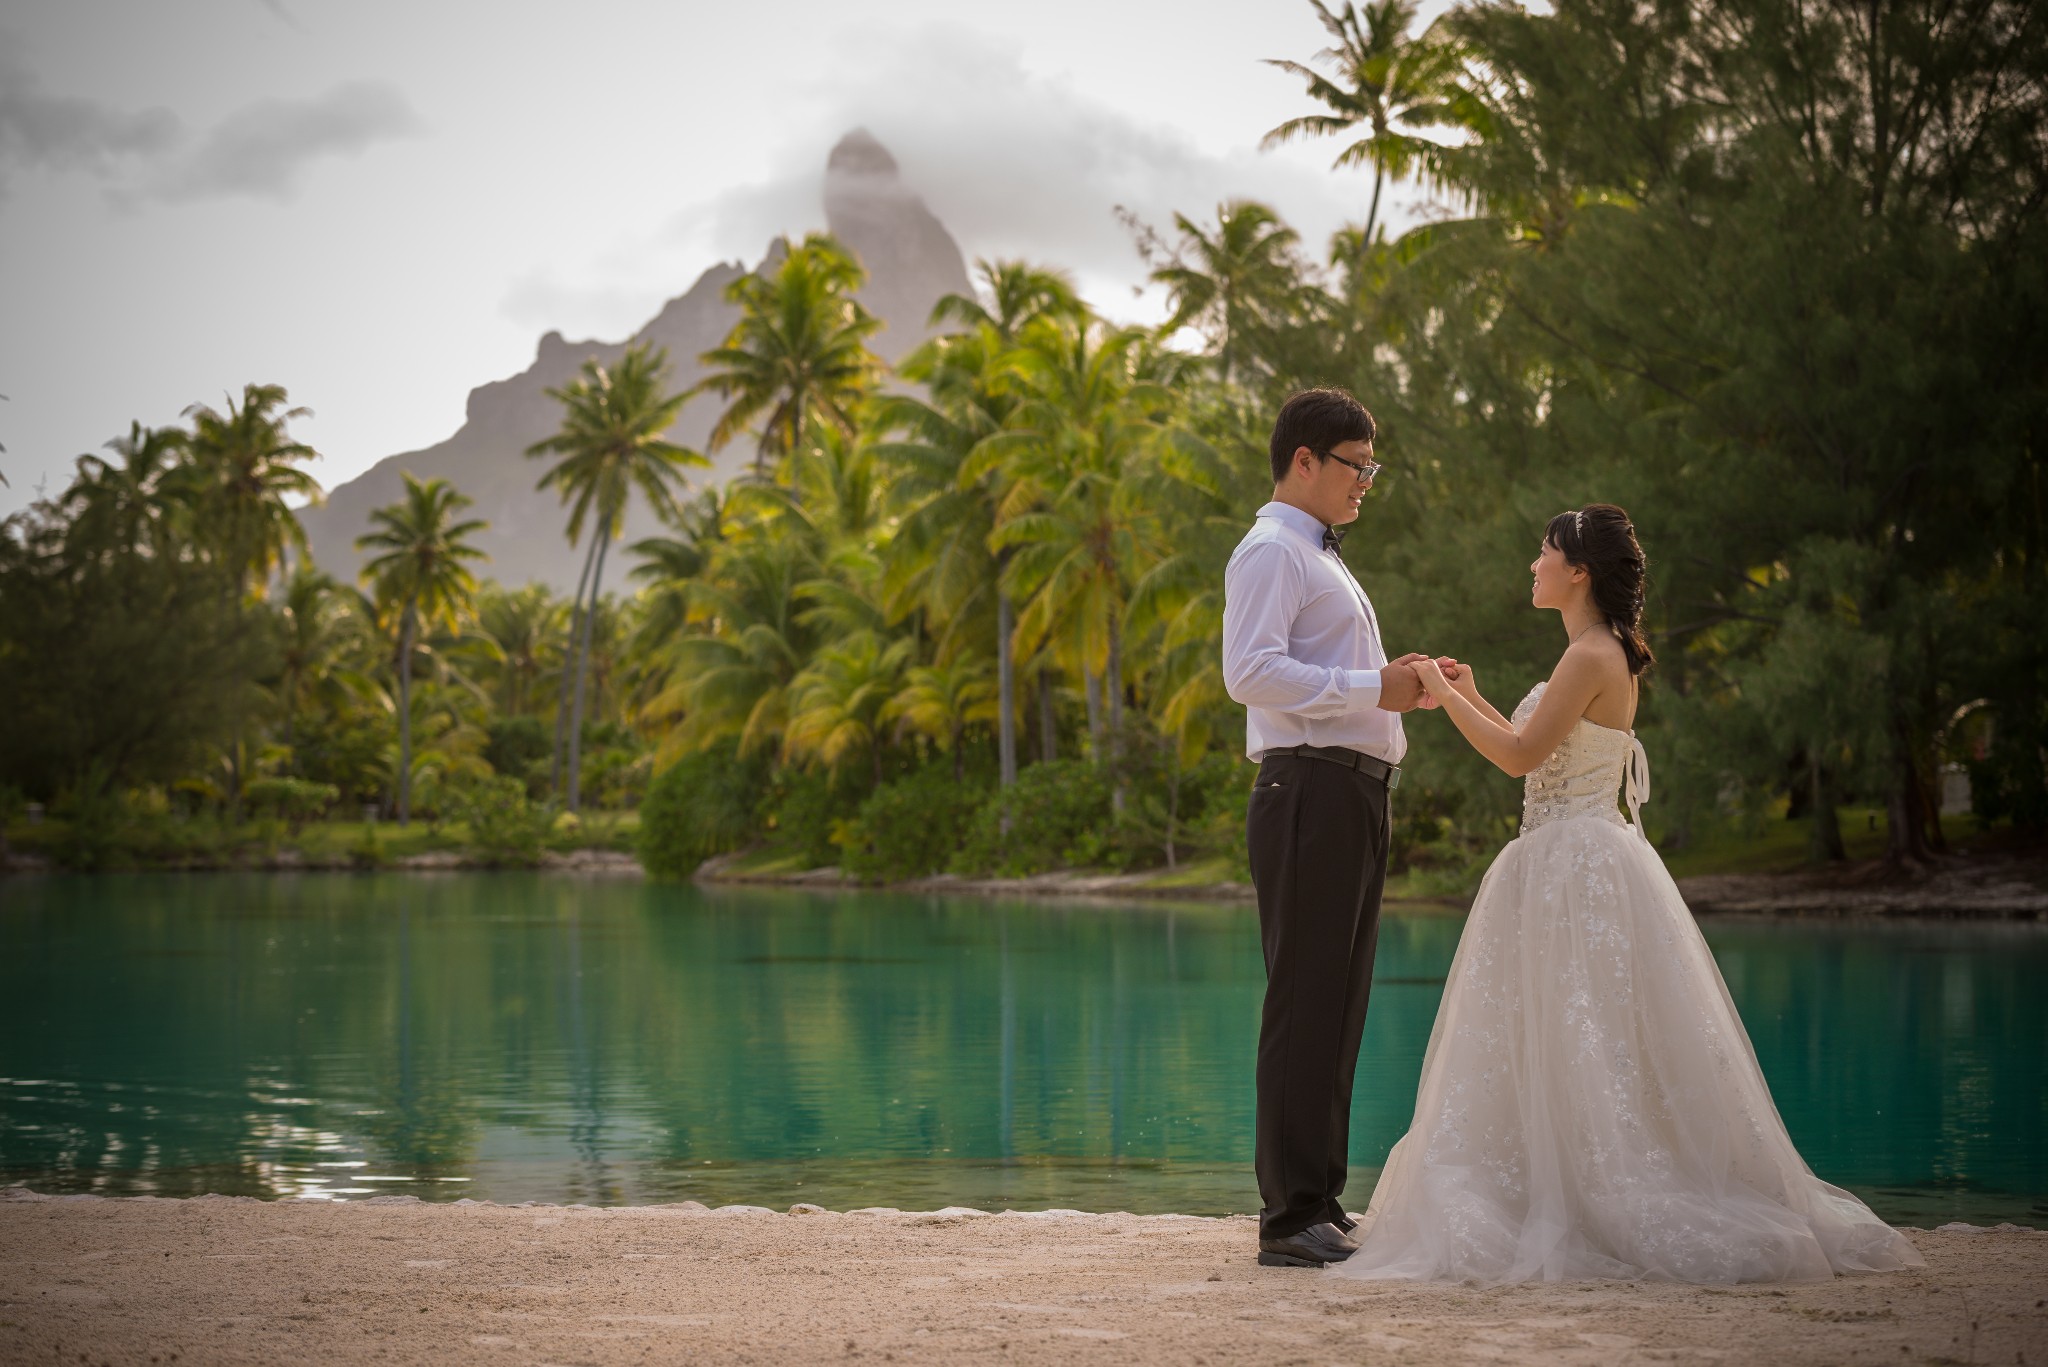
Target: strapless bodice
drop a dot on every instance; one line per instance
(1585, 774)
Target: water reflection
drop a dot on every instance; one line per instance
(516, 1037)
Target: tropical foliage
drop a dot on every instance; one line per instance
(1768, 274)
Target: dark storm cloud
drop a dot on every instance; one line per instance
(262, 149)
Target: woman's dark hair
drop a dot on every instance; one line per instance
(1317, 419)
(1600, 540)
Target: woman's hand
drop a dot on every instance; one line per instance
(1434, 682)
(1461, 678)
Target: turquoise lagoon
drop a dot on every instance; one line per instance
(533, 1037)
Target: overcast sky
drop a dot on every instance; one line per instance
(381, 205)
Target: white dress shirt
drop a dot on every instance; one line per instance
(1301, 646)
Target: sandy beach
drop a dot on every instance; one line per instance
(392, 1280)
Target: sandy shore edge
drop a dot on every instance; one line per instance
(393, 1279)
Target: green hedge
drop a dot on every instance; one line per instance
(700, 806)
(911, 828)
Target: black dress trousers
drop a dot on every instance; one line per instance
(1318, 835)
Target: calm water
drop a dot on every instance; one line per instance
(516, 1037)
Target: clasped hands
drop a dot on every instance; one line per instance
(1417, 680)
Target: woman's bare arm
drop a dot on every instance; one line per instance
(1579, 678)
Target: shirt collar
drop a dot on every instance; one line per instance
(1306, 525)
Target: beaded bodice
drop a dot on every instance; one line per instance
(1583, 776)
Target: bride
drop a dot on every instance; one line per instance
(1590, 1105)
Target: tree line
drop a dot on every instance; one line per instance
(1768, 273)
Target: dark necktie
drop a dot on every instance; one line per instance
(1333, 540)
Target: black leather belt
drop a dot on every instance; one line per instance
(1390, 774)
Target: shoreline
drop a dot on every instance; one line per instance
(393, 1279)
(1998, 888)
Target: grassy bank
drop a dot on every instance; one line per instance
(203, 843)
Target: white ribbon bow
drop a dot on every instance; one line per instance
(1638, 782)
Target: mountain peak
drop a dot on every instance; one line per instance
(860, 154)
(911, 261)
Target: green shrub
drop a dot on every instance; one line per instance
(910, 828)
(799, 811)
(368, 852)
(1058, 818)
(294, 801)
(520, 747)
(699, 806)
(505, 826)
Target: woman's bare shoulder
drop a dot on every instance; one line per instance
(1598, 658)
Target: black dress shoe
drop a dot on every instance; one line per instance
(1316, 1246)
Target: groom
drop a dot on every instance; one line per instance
(1302, 652)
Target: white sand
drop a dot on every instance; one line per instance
(221, 1280)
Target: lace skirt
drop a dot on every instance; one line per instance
(1590, 1104)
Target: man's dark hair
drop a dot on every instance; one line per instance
(1317, 419)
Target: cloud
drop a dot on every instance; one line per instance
(1023, 165)
(70, 133)
(1015, 164)
(283, 15)
(262, 149)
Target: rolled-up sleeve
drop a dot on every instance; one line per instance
(1262, 592)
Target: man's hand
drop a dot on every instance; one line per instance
(1400, 685)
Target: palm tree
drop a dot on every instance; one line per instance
(1238, 283)
(244, 472)
(132, 506)
(316, 630)
(419, 573)
(1086, 393)
(944, 563)
(1016, 292)
(841, 702)
(238, 481)
(613, 440)
(523, 624)
(798, 355)
(731, 677)
(942, 700)
(669, 569)
(1386, 83)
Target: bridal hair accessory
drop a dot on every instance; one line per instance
(1581, 527)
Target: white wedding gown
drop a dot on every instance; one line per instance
(1590, 1105)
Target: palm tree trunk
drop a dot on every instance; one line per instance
(405, 628)
(1172, 796)
(1826, 844)
(1006, 698)
(1048, 720)
(582, 667)
(1091, 683)
(1113, 681)
(291, 717)
(1372, 215)
(562, 713)
(1906, 808)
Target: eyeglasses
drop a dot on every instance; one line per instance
(1365, 472)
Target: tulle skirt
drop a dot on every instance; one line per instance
(1590, 1104)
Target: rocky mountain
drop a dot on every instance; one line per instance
(911, 261)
